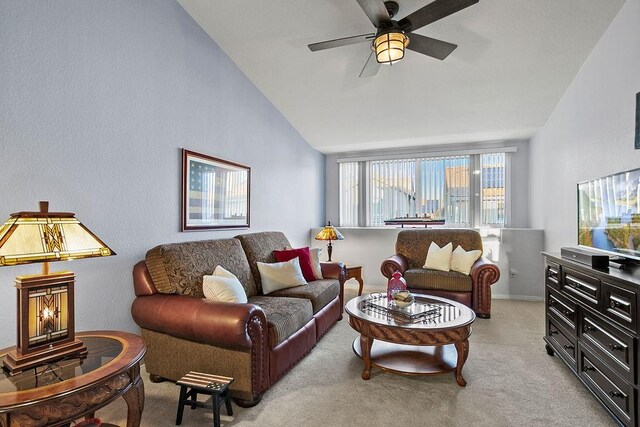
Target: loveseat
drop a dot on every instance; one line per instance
(256, 342)
(473, 289)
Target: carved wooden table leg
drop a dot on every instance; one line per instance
(365, 344)
(462, 347)
(361, 283)
(135, 403)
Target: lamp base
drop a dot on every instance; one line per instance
(13, 363)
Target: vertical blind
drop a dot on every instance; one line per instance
(432, 187)
(437, 187)
(493, 189)
(349, 197)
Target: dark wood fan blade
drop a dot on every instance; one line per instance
(376, 11)
(432, 47)
(371, 67)
(432, 12)
(341, 42)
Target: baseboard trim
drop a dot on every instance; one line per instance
(518, 297)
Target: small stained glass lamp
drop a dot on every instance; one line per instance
(329, 232)
(45, 310)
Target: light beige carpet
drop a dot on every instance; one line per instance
(511, 381)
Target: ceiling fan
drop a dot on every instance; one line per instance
(388, 43)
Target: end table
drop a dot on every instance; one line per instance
(80, 386)
(355, 272)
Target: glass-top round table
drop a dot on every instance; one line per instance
(57, 393)
(429, 337)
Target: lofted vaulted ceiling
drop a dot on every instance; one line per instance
(514, 61)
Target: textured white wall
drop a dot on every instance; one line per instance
(591, 131)
(96, 100)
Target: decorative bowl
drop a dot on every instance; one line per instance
(402, 298)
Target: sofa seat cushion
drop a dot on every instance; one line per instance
(421, 278)
(284, 315)
(319, 292)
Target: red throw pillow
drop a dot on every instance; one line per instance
(303, 256)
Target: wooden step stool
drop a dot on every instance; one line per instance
(215, 386)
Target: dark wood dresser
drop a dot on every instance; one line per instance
(592, 325)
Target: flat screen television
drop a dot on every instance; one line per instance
(609, 214)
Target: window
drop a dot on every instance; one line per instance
(493, 189)
(349, 196)
(434, 187)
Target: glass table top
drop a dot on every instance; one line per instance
(426, 312)
(101, 350)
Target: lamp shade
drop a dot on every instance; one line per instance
(28, 237)
(389, 47)
(329, 232)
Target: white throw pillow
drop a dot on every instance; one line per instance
(223, 286)
(280, 275)
(315, 262)
(462, 260)
(439, 258)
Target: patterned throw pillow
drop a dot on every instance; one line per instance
(223, 286)
(280, 275)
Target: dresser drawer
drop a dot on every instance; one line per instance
(562, 309)
(620, 305)
(563, 343)
(611, 344)
(552, 276)
(580, 286)
(616, 394)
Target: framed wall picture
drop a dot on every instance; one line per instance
(215, 193)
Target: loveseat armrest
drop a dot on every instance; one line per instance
(483, 274)
(394, 263)
(337, 271)
(333, 270)
(215, 323)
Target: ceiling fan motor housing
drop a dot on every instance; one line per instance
(392, 8)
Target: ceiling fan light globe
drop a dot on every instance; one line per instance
(389, 47)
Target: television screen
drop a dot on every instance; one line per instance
(609, 214)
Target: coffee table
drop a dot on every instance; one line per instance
(57, 393)
(432, 345)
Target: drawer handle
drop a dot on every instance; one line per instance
(588, 368)
(551, 332)
(616, 347)
(617, 394)
(567, 313)
(588, 328)
(614, 304)
(569, 347)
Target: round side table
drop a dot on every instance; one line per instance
(57, 393)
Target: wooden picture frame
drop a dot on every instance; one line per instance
(215, 193)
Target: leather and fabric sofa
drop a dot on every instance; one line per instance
(473, 290)
(255, 343)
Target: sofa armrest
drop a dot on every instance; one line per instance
(483, 274)
(484, 271)
(196, 319)
(392, 264)
(333, 270)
